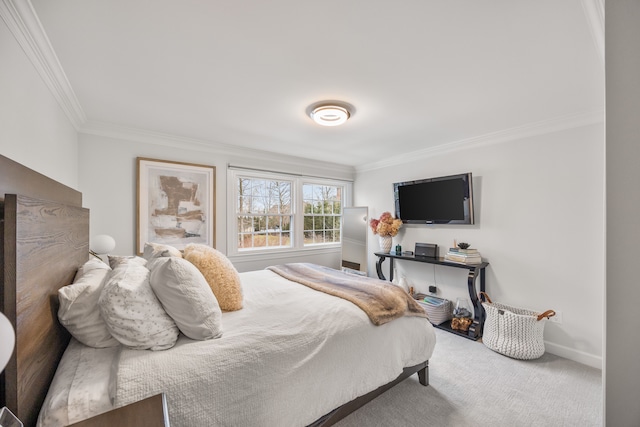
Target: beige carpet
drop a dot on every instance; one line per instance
(471, 385)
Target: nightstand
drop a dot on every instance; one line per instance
(150, 412)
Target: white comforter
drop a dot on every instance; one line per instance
(290, 356)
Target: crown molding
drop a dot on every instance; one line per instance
(594, 12)
(109, 130)
(23, 22)
(507, 135)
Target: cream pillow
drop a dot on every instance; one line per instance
(220, 274)
(78, 311)
(186, 297)
(154, 250)
(116, 260)
(91, 264)
(132, 312)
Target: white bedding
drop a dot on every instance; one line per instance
(290, 356)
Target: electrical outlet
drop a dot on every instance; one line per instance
(557, 318)
(433, 289)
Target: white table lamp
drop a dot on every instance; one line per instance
(7, 341)
(102, 244)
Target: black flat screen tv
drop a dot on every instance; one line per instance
(442, 200)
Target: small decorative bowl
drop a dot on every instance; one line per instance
(463, 245)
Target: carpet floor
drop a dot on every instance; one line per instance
(470, 385)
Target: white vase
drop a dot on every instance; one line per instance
(385, 243)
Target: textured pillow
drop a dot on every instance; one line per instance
(78, 311)
(186, 297)
(220, 274)
(155, 250)
(92, 264)
(132, 312)
(116, 260)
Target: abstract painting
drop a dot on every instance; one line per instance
(176, 203)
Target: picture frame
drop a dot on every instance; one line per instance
(175, 203)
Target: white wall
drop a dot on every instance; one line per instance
(622, 371)
(34, 130)
(539, 202)
(108, 171)
(539, 209)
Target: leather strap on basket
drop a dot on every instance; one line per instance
(486, 297)
(547, 314)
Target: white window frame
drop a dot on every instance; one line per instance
(297, 229)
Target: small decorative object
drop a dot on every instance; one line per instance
(398, 249)
(385, 243)
(463, 245)
(402, 282)
(461, 309)
(461, 323)
(385, 227)
(461, 316)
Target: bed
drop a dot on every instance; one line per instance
(266, 369)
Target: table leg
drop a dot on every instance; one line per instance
(379, 268)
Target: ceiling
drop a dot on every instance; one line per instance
(420, 74)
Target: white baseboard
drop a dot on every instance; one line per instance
(575, 355)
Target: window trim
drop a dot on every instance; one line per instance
(297, 182)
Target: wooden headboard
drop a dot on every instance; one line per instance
(45, 238)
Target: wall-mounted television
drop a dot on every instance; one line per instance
(441, 200)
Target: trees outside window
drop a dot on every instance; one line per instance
(322, 213)
(275, 212)
(264, 213)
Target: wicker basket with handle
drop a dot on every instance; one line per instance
(512, 331)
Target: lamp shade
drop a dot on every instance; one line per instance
(7, 341)
(102, 244)
(330, 113)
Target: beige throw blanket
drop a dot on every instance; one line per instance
(382, 301)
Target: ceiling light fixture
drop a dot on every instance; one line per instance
(330, 113)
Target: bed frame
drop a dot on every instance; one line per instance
(44, 238)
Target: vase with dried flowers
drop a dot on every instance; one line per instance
(385, 227)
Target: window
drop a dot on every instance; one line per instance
(280, 212)
(264, 213)
(322, 213)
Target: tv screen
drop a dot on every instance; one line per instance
(442, 200)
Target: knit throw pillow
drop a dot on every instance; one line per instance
(219, 273)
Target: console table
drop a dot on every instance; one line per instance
(475, 271)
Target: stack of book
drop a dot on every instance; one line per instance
(463, 256)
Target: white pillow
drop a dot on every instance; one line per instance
(116, 260)
(92, 264)
(132, 312)
(155, 250)
(186, 297)
(78, 311)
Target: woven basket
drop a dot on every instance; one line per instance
(512, 331)
(438, 309)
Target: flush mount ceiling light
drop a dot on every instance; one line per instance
(330, 113)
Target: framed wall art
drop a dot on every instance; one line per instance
(176, 203)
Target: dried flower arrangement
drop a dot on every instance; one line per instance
(386, 225)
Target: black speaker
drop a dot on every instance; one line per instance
(427, 250)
